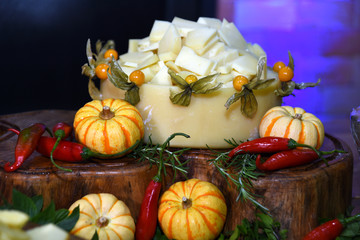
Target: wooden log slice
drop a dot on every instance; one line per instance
(296, 197)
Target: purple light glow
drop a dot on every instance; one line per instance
(323, 37)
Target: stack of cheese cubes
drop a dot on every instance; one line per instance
(201, 48)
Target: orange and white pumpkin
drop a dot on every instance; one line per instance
(193, 209)
(295, 123)
(108, 126)
(105, 214)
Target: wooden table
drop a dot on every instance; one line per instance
(297, 197)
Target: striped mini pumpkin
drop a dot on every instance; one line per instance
(105, 214)
(108, 126)
(192, 210)
(295, 123)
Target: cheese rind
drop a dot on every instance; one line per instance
(206, 119)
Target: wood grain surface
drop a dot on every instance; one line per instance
(296, 197)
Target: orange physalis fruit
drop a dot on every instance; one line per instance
(286, 74)
(239, 81)
(101, 71)
(111, 53)
(137, 77)
(191, 78)
(278, 65)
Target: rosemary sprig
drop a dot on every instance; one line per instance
(241, 171)
(154, 153)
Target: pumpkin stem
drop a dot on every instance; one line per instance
(298, 116)
(102, 222)
(106, 113)
(186, 203)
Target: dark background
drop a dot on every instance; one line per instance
(43, 44)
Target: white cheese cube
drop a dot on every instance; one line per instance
(143, 43)
(135, 57)
(133, 45)
(245, 65)
(257, 50)
(161, 64)
(127, 69)
(185, 26)
(224, 69)
(231, 36)
(148, 61)
(170, 43)
(208, 46)
(199, 38)
(152, 47)
(167, 56)
(228, 84)
(130, 64)
(226, 56)
(149, 74)
(225, 78)
(211, 22)
(158, 30)
(173, 66)
(215, 50)
(162, 77)
(189, 60)
(47, 231)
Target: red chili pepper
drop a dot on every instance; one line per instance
(61, 131)
(147, 219)
(71, 151)
(267, 145)
(285, 159)
(331, 229)
(27, 140)
(290, 158)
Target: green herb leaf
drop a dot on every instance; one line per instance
(351, 230)
(159, 235)
(153, 153)
(66, 221)
(38, 201)
(240, 170)
(34, 208)
(24, 203)
(95, 236)
(46, 216)
(264, 227)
